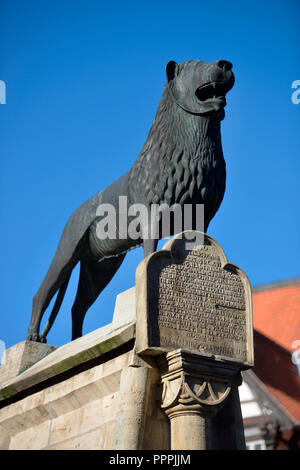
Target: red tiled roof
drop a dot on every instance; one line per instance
(276, 314)
(274, 367)
(276, 321)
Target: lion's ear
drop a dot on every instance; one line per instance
(171, 70)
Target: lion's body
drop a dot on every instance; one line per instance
(181, 163)
(182, 160)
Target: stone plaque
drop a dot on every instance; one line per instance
(195, 300)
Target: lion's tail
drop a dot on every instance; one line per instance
(57, 305)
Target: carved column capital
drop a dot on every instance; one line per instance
(183, 392)
(195, 384)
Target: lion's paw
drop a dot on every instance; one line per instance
(36, 337)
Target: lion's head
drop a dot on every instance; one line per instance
(200, 87)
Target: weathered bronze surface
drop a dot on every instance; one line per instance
(181, 162)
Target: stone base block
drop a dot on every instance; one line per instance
(93, 393)
(22, 356)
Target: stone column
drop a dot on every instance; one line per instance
(187, 429)
(194, 389)
(137, 383)
(226, 429)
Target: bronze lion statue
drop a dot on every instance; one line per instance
(181, 163)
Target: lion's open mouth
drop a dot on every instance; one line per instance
(211, 90)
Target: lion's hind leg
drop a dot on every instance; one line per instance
(94, 277)
(57, 275)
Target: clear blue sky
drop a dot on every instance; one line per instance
(84, 79)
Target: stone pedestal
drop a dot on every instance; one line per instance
(163, 375)
(93, 393)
